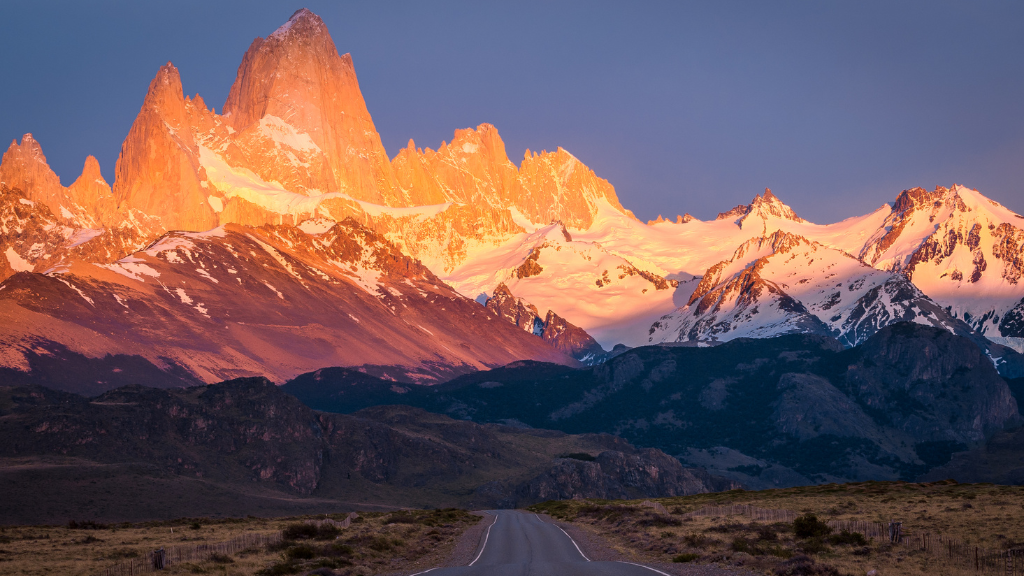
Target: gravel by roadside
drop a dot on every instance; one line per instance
(597, 548)
(466, 548)
(462, 554)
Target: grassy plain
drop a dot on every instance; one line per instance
(375, 543)
(982, 515)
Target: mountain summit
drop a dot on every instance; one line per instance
(294, 84)
(294, 206)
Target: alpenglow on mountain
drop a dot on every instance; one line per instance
(278, 237)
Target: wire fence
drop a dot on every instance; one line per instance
(956, 552)
(166, 557)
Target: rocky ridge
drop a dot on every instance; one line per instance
(247, 434)
(552, 328)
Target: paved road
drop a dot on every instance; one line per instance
(521, 544)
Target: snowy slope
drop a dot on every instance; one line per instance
(962, 249)
(609, 296)
(784, 283)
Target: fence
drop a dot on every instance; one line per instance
(762, 514)
(956, 552)
(657, 507)
(170, 556)
(327, 521)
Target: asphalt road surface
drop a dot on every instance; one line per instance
(521, 544)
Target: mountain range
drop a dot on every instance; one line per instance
(245, 446)
(765, 412)
(278, 237)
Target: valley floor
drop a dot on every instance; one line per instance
(735, 532)
(710, 528)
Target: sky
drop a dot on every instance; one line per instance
(683, 106)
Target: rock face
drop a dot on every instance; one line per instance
(553, 329)
(247, 435)
(158, 170)
(294, 84)
(24, 167)
(613, 475)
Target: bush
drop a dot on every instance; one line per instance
(658, 520)
(814, 546)
(87, 525)
(689, 557)
(383, 544)
(741, 544)
(808, 526)
(222, 559)
(311, 532)
(730, 527)
(300, 552)
(695, 540)
(848, 538)
(804, 566)
(279, 569)
(338, 549)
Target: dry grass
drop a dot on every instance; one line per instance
(376, 542)
(981, 515)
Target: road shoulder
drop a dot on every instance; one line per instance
(599, 549)
(465, 549)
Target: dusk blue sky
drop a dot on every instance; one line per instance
(684, 107)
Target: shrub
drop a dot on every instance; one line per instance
(338, 549)
(300, 531)
(300, 552)
(849, 538)
(767, 534)
(87, 525)
(655, 519)
(808, 526)
(222, 559)
(730, 527)
(311, 532)
(402, 518)
(695, 540)
(814, 546)
(804, 566)
(280, 569)
(382, 544)
(122, 553)
(741, 544)
(688, 557)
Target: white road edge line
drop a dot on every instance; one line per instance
(486, 536)
(577, 545)
(566, 535)
(424, 572)
(640, 565)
